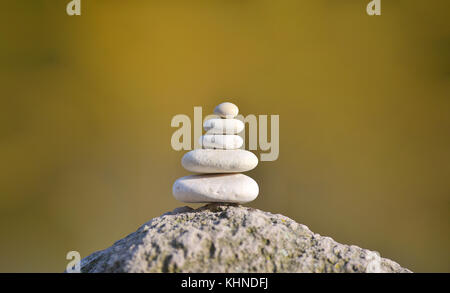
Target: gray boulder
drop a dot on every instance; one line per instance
(227, 238)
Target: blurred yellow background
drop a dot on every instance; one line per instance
(86, 104)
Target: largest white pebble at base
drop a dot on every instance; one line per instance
(236, 188)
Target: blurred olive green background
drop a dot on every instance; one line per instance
(86, 104)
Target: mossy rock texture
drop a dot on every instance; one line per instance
(228, 238)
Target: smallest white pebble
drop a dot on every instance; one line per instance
(226, 110)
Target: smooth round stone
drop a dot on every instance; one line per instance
(223, 126)
(235, 188)
(221, 141)
(219, 161)
(226, 110)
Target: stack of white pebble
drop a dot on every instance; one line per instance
(219, 162)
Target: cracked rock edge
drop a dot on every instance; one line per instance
(229, 238)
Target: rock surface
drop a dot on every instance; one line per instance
(231, 238)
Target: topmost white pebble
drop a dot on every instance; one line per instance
(226, 110)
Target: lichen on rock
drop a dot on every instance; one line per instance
(229, 238)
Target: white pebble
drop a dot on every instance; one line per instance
(220, 141)
(226, 110)
(219, 161)
(236, 188)
(223, 126)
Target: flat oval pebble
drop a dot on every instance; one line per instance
(226, 110)
(219, 161)
(223, 126)
(221, 141)
(235, 188)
